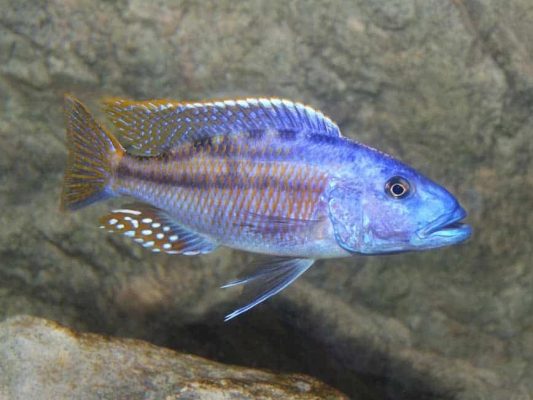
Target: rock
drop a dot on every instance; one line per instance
(444, 85)
(41, 359)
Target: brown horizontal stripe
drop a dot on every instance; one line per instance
(232, 180)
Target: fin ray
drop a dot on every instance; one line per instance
(145, 126)
(154, 126)
(92, 152)
(153, 228)
(259, 223)
(271, 278)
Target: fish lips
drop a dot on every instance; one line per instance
(447, 228)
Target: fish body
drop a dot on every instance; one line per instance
(261, 175)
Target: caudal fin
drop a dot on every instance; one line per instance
(92, 154)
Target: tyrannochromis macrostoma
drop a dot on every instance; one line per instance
(263, 175)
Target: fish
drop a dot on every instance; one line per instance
(263, 175)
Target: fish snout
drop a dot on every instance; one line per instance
(448, 226)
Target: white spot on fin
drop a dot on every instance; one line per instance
(134, 222)
(155, 229)
(126, 211)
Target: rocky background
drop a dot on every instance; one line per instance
(446, 86)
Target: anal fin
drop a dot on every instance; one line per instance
(154, 229)
(269, 279)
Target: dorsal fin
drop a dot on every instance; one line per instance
(154, 229)
(154, 126)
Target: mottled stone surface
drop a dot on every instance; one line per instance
(40, 359)
(447, 86)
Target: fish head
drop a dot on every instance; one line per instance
(393, 208)
(402, 210)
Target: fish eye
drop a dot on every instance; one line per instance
(397, 187)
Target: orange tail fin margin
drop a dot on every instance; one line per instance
(92, 155)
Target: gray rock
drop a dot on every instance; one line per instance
(40, 359)
(445, 85)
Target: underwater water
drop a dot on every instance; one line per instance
(446, 87)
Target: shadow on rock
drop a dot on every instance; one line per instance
(283, 342)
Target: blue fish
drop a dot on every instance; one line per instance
(267, 176)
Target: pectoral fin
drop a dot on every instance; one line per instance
(269, 279)
(272, 225)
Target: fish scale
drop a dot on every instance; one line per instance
(268, 176)
(235, 206)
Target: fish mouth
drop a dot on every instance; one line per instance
(447, 226)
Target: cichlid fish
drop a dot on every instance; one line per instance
(263, 175)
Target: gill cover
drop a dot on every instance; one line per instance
(345, 212)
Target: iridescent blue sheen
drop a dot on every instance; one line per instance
(263, 175)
